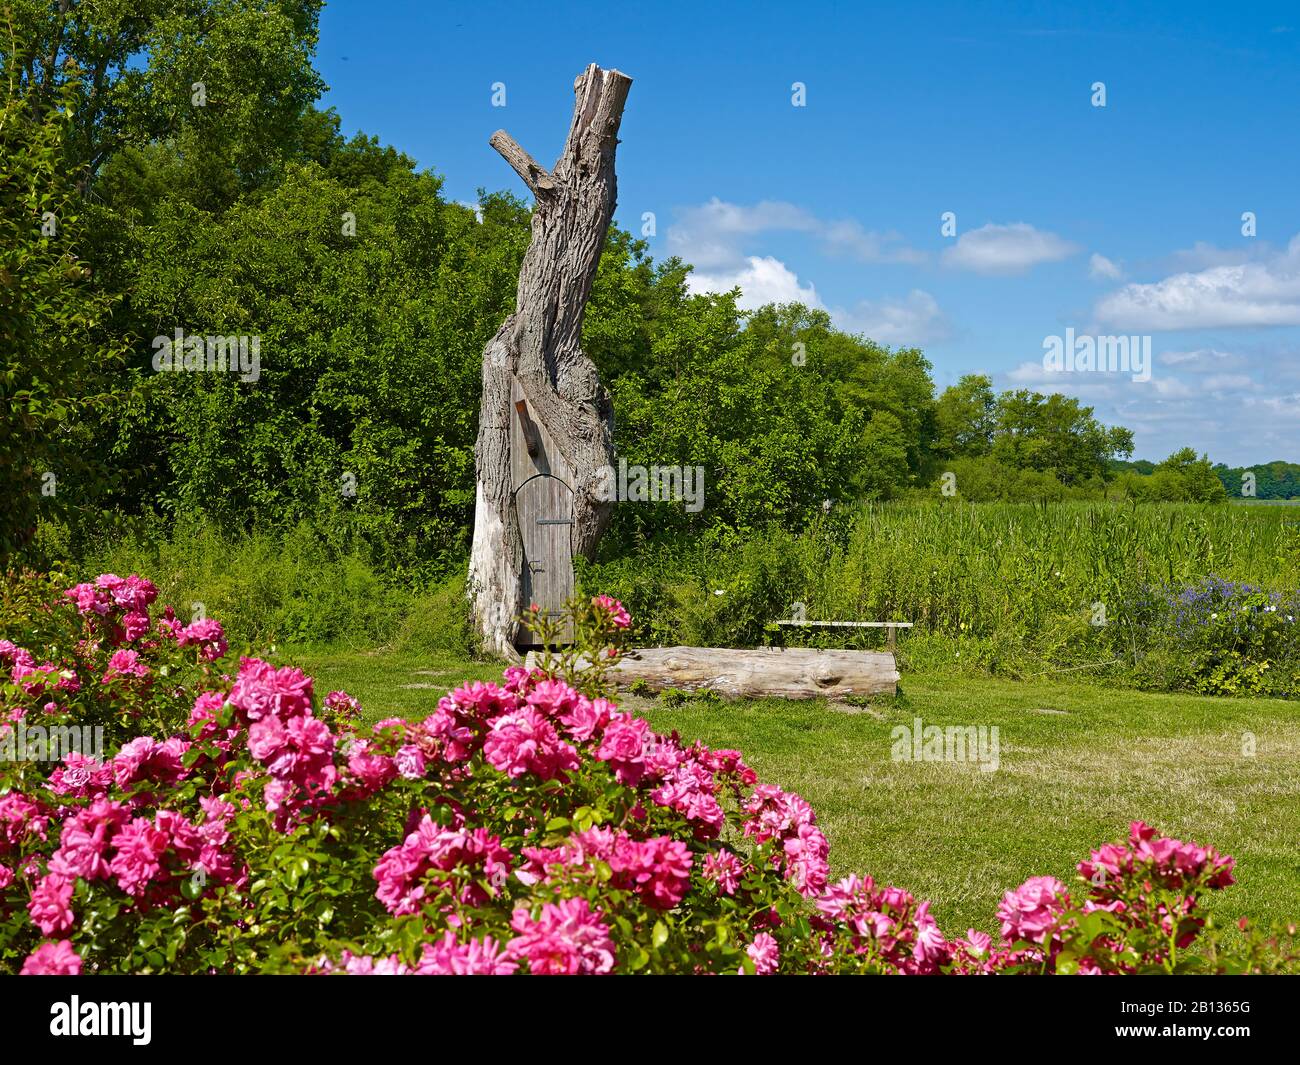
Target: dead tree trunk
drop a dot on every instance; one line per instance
(544, 414)
(759, 672)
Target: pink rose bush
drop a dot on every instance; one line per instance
(237, 823)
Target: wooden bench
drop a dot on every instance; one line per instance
(891, 636)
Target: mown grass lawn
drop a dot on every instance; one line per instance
(1077, 763)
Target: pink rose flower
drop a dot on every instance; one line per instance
(125, 664)
(1032, 910)
(447, 957)
(133, 593)
(372, 769)
(526, 742)
(52, 959)
(85, 838)
(617, 612)
(410, 762)
(459, 723)
(89, 600)
(138, 861)
(50, 904)
(587, 717)
(261, 690)
(567, 939)
(658, 870)
(208, 636)
(434, 853)
(553, 698)
(21, 819)
(765, 954)
(135, 625)
(623, 746)
(145, 759)
(725, 869)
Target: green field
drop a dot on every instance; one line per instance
(1077, 763)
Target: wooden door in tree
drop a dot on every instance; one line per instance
(545, 508)
(534, 363)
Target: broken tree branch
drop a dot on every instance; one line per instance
(534, 175)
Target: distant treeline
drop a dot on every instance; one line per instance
(1272, 480)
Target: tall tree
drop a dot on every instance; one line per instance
(534, 369)
(966, 417)
(57, 368)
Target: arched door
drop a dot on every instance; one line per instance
(544, 505)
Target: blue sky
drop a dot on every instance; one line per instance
(1116, 220)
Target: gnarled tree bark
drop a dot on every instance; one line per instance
(538, 350)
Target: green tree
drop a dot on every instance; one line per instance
(1195, 477)
(213, 90)
(884, 459)
(966, 418)
(1055, 434)
(56, 366)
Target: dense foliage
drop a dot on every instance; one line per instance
(244, 825)
(1272, 480)
(179, 145)
(56, 367)
(1222, 638)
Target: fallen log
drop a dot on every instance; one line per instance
(784, 672)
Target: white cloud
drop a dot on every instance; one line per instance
(760, 280)
(1009, 249)
(1102, 269)
(915, 319)
(717, 238)
(1288, 406)
(1201, 256)
(1257, 293)
(850, 238)
(1227, 382)
(1172, 388)
(1090, 387)
(912, 321)
(1202, 360)
(715, 235)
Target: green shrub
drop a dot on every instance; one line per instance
(438, 620)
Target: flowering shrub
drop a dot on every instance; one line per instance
(1222, 638)
(102, 663)
(522, 827)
